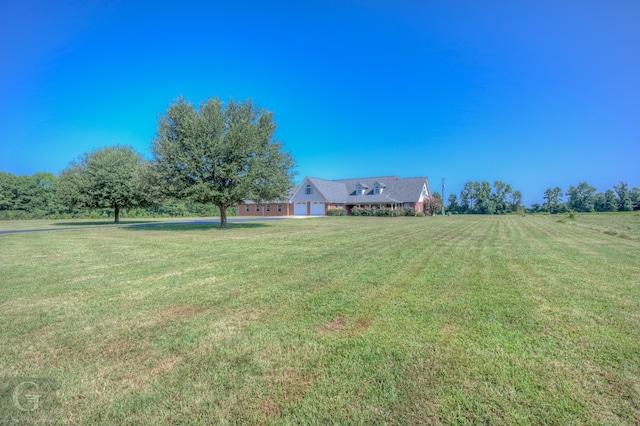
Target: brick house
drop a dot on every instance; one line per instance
(314, 197)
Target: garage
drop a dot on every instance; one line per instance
(317, 209)
(300, 209)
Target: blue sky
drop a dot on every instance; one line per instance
(537, 94)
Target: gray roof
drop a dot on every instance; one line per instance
(343, 191)
(333, 191)
(394, 189)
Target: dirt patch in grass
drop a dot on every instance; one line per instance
(449, 330)
(361, 326)
(332, 326)
(339, 323)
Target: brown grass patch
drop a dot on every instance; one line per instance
(165, 365)
(339, 323)
(361, 326)
(332, 326)
(449, 330)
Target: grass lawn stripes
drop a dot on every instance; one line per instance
(467, 319)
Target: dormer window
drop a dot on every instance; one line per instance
(377, 189)
(308, 190)
(361, 189)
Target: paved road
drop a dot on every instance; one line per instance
(127, 225)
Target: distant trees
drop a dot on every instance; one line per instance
(583, 198)
(34, 197)
(454, 207)
(553, 200)
(221, 154)
(481, 198)
(635, 197)
(28, 196)
(625, 202)
(111, 177)
(516, 201)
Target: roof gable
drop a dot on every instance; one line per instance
(343, 191)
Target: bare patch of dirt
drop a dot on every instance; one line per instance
(332, 326)
(339, 323)
(449, 330)
(361, 326)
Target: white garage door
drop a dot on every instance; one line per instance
(300, 209)
(317, 209)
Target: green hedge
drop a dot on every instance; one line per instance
(336, 212)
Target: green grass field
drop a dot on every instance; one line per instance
(467, 319)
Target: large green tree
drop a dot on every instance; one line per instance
(635, 197)
(112, 177)
(553, 200)
(478, 198)
(624, 197)
(516, 200)
(221, 154)
(581, 197)
(500, 196)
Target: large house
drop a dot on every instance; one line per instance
(314, 197)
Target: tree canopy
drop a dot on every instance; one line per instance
(111, 177)
(221, 154)
(479, 198)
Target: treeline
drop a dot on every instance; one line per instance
(34, 197)
(482, 198)
(584, 198)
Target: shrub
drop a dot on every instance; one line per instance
(360, 211)
(420, 214)
(336, 212)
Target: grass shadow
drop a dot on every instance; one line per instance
(180, 227)
(103, 222)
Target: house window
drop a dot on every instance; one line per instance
(246, 208)
(257, 207)
(279, 207)
(307, 190)
(376, 189)
(268, 207)
(424, 191)
(359, 189)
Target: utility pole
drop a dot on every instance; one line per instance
(442, 196)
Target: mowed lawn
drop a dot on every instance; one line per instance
(346, 320)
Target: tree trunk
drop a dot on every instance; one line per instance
(223, 215)
(117, 213)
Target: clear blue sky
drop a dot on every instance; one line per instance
(534, 93)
